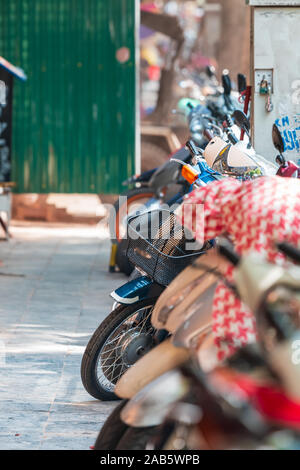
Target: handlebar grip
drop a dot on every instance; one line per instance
(229, 120)
(290, 251)
(208, 135)
(232, 138)
(283, 324)
(192, 148)
(226, 249)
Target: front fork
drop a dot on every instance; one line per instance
(153, 203)
(112, 259)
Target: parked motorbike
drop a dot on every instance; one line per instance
(127, 334)
(230, 408)
(184, 311)
(152, 189)
(233, 157)
(160, 185)
(259, 385)
(209, 393)
(188, 329)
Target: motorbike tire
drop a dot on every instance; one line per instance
(102, 338)
(112, 430)
(123, 263)
(136, 438)
(133, 196)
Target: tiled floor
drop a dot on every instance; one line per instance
(54, 288)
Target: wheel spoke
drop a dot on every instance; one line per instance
(110, 364)
(122, 332)
(144, 322)
(124, 368)
(111, 375)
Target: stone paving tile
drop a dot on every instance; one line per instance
(54, 289)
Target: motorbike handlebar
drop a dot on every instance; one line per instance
(192, 148)
(226, 249)
(208, 135)
(228, 120)
(290, 251)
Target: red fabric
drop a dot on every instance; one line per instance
(289, 170)
(256, 214)
(154, 72)
(271, 402)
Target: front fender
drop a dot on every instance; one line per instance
(161, 359)
(150, 406)
(137, 289)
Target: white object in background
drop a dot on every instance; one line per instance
(5, 207)
(275, 55)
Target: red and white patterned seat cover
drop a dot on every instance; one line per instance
(256, 214)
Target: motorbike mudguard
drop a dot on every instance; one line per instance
(150, 406)
(137, 289)
(145, 177)
(169, 172)
(159, 360)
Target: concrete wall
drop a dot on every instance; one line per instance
(275, 47)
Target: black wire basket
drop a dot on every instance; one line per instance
(157, 244)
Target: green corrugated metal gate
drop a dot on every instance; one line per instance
(74, 119)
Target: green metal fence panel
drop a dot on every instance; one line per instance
(74, 119)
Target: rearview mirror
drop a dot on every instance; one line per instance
(277, 139)
(226, 82)
(241, 120)
(242, 82)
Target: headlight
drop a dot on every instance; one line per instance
(287, 302)
(280, 313)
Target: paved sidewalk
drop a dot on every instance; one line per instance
(54, 288)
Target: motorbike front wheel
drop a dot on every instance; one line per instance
(116, 435)
(122, 338)
(112, 430)
(136, 438)
(136, 199)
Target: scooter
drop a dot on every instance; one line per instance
(233, 157)
(127, 334)
(186, 302)
(184, 311)
(239, 159)
(160, 185)
(144, 412)
(153, 189)
(148, 377)
(258, 387)
(242, 405)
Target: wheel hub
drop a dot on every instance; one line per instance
(135, 346)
